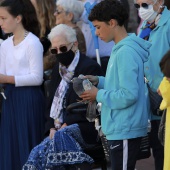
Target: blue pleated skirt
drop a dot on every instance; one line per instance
(21, 126)
(64, 149)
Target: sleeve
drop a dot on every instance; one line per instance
(164, 88)
(101, 82)
(51, 88)
(126, 92)
(35, 76)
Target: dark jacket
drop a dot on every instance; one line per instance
(86, 66)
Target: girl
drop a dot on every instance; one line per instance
(164, 90)
(21, 70)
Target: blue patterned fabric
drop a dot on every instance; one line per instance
(65, 148)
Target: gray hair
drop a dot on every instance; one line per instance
(73, 6)
(64, 30)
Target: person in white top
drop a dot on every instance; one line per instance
(21, 72)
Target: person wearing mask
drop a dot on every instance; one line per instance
(124, 117)
(69, 132)
(155, 29)
(21, 71)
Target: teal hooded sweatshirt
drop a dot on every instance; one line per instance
(124, 112)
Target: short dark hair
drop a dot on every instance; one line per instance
(26, 10)
(165, 64)
(109, 9)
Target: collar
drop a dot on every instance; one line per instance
(165, 17)
(163, 20)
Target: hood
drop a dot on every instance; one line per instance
(140, 45)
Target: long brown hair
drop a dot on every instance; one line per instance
(26, 10)
(45, 13)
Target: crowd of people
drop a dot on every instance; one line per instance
(37, 131)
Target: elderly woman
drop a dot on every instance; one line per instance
(156, 19)
(69, 133)
(69, 12)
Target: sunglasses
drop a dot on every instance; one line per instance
(144, 5)
(63, 49)
(58, 12)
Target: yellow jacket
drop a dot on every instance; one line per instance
(165, 92)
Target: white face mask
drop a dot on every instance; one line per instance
(147, 14)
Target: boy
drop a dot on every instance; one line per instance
(124, 115)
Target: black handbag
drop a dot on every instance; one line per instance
(155, 101)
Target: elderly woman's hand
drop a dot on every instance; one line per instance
(52, 132)
(64, 125)
(89, 95)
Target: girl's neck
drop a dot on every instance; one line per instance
(19, 36)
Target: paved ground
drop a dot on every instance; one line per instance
(144, 164)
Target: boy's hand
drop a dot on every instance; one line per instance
(89, 95)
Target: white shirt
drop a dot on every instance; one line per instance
(23, 61)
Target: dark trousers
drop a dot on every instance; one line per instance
(123, 153)
(157, 148)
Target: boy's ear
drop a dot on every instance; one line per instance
(113, 23)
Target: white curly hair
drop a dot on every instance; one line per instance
(66, 31)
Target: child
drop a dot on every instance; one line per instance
(124, 117)
(21, 70)
(164, 90)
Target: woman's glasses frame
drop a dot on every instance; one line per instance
(62, 49)
(57, 12)
(144, 5)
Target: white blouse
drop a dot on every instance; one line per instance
(23, 61)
